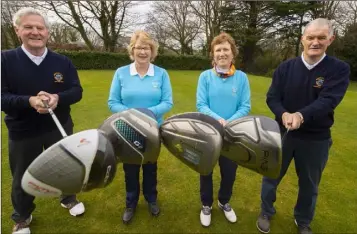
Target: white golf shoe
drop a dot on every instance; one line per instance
(228, 212)
(205, 216)
(75, 208)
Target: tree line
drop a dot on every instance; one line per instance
(266, 32)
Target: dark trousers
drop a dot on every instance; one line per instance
(228, 170)
(310, 159)
(21, 155)
(132, 184)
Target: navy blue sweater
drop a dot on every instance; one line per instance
(22, 78)
(315, 93)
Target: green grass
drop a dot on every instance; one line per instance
(178, 186)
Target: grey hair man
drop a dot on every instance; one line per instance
(320, 81)
(44, 76)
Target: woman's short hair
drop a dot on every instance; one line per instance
(16, 20)
(221, 38)
(144, 37)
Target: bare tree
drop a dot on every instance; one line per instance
(345, 14)
(177, 22)
(325, 9)
(62, 33)
(111, 17)
(210, 14)
(352, 5)
(158, 31)
(9, 38)
(107, 19)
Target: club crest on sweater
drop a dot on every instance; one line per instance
(155, 84)
(58, 77)
(319, 82)
(234, 91)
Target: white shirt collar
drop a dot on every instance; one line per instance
(36, 59)
(311, 66)
(134, 72)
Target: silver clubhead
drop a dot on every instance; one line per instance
(135, 136)
(254, 142)
(193, 138)
(78, 163)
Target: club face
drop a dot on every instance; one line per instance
(61, 165)
(254, 142)
(195, 143)
(75, 164)
(134, 136)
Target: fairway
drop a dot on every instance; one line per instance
(178, 185)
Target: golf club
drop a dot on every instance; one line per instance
(193, 138)
(135, 136)
(55, 119)
(78, 163)
(254, 142)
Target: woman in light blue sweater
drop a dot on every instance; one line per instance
(141, 85)
(224, 94)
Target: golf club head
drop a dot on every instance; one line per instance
(195, 139)
(254, 142)
(78, 163)
(134, 134)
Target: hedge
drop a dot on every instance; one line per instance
(88, 60)
(85, 60)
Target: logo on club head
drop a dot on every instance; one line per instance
(264, 165)
(58, 77)
(83, 141)
(179, 148)
(138, 144)
(40, 189)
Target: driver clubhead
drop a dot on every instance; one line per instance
(195, 139)
(135, 136)
(254, 142)
(78, 163)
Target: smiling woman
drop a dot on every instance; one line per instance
(141, 85)
(142, 50)
(224, 94)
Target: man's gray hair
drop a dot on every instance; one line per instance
(321, 22)
(28, 11)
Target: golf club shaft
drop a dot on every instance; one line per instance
(54, 117)
(284, 136)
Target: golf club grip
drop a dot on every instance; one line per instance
(54, 117)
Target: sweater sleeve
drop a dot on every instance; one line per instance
(74, 92)
(244, 103)
(166, 97)
(11, 102)
(331, 94)
(202, 102)
(115, 102)
(274, 95)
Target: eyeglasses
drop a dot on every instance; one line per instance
(142, 48)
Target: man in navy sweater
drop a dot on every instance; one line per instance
(29, 75)
(303, 95)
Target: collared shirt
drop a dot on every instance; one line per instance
(36, 59)
(134, 72)
(311, 66)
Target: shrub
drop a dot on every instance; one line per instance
(86, 60)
